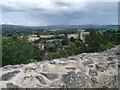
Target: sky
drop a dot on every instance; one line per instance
(59, 12)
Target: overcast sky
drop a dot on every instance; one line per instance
(64, 12)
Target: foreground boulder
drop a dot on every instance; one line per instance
(9, 75)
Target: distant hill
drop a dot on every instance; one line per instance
(5, 26)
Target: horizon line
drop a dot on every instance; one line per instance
(57, 25)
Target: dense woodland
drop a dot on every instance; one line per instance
(16, 49)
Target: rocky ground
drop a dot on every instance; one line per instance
(86, 70)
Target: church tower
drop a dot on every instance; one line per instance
(81, 35)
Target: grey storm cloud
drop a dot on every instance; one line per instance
(62, 3)
(11, 9)
(59, 13)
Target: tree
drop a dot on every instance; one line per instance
(17, 50)
(93, 41)
(72, 39)
(65, 42)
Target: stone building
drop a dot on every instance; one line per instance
(46, 45)
(41, 46)
(81, 35)
(32, 38)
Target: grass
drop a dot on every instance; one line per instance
(72, 35)
(49, 36)
(76, 35)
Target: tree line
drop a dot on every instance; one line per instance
(17, 50)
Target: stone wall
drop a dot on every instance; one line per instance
(70, 72)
